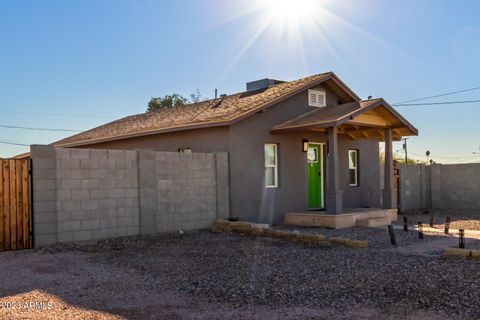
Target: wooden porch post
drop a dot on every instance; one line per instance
(388, 190)
(333, 194)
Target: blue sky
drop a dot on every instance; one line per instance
(98, 60)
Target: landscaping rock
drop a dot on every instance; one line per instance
(233, 276)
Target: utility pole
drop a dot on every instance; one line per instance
(405, 148)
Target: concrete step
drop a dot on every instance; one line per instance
(374, 222)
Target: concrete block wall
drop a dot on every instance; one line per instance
(451, 187)
(460, 187)
(223, 185)
(44, 188)
(436, 186)
(97, 194)
(410, 188)
(89, 194)
(83, 194)
(186, 191)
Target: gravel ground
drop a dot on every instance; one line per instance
(459, 220)
(200, 275)
(377, 237)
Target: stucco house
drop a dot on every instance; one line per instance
(308, 147)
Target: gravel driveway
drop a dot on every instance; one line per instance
(201, 275)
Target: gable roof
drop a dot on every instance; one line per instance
(216, 112)
(323, 117)
(347, 114)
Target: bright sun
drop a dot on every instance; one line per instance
(291, 11)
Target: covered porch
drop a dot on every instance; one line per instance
(370, 119)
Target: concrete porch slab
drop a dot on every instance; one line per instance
(373, 222)
(347, 219)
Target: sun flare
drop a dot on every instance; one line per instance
(295, 28)
(292, 11)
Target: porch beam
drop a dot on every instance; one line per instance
(389, 201)
(333, 194)
(351, 135)
(370, 119)
(364, 133)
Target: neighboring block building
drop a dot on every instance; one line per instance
(304, 145)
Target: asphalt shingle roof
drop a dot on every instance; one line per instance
(206, 113)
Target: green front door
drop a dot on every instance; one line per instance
(314, 163)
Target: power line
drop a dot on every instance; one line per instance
(434, 103)
(447, 158)
(38, 129)
(440, 95)
(54, 114)
(15, 144)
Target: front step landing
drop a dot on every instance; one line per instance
(347, 219)
(374, 222)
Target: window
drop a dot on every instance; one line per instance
(185, 150)
(316, 98)
(271, 166)
(312, 154)
(353, 167)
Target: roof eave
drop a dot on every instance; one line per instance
(378, 103)
(346, 118)
(143, 134)
(304, 127)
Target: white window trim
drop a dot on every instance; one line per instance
(354, 168)
(316, 94)
(275, 166)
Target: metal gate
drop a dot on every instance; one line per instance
(15, 209)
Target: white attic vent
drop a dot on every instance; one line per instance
(317, 98)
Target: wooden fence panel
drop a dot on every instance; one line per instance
(2, 208)
(6, 204)
(15, 210)
(27, 239)
(13, 205)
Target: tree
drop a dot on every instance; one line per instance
(167, 102)
(196, 97)
(172, 101)
(398, 158)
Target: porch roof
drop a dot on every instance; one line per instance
(359, 120)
